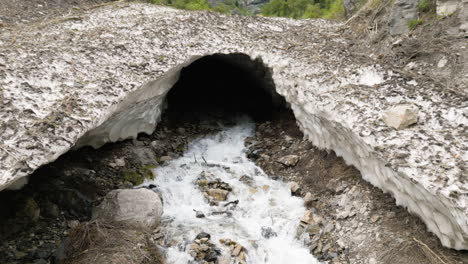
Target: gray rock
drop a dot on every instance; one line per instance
(403, 12)
(165, 158)
(289, 160)
(199, 214)
(246, 179)
(144, 155)
(50, 209)
(313, 229)
(401, 116)
(349, 7)
(328, 227)
(308, 197)
(294, 187)
(463, 17)
(447, 7)
(203, 235)
(29, 210)
(268, 232)
(135, 207)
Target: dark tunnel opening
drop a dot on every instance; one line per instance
(225, 85)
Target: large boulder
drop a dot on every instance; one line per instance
(133, 207)
(403, 12)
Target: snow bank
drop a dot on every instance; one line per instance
(102, 77)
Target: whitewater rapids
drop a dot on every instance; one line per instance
(265, 203)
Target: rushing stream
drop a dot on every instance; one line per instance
(264, 220)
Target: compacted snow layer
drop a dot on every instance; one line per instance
(87, 80)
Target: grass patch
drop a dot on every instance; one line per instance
(328, 9)
(425, 6)
(226, 7)
(414, 23)
(138, 177)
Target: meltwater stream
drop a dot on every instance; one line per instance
(263, 203)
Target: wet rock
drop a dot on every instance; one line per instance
(340, 242)
(203, 235)
(199, 214)
(265, 157)
(328, 227)
(401, 116)
(181, 130)
(203, 250)
(218, 194)
(238, 252)
(29, 210)
(348, 211)
(74, 201)
(44, 251)
(313, 229)
(268, 232)
(375, 218)
(118, 163)
(215, 190)
(73, 223)
(289, 160)
(330, 255)
(294, 187)
(165, 159)
(308, 198)
(50, 210)
(308, 218)
(254, 154)
(246, 179)
(144, 156)
(224, 260)
(135, 207)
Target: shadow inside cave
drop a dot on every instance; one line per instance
(223, 86)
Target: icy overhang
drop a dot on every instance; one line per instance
(103, 76)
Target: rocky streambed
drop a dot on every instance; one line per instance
(219, 207)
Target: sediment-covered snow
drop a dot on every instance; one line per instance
(102, 76)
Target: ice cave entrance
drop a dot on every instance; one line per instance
(225, 85)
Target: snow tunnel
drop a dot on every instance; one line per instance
(225, 84)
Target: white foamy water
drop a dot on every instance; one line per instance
(267, 204)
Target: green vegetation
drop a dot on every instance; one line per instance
(413, 23)
(227, 7)
(425, 5)
(374, 3)
(329, 9)
(184, 4)
(138, 177)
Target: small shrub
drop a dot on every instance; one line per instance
(335, 11)
(138, 177)
(329, 9)
(414, 23)
(425, 5)
(133, 177)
